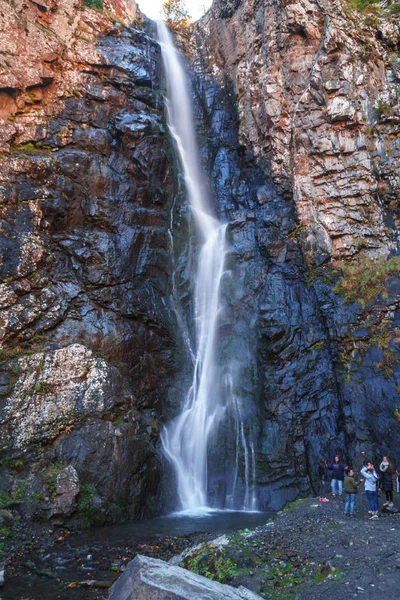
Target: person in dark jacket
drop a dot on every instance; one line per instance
(338, 469)
(386, 469)
(323, 474)
(351, 489)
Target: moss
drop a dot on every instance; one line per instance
(293, 505)
(19, 493)
(36, 497)
(15, 464)
(30, 149)
(363, 279)
(211, 564)
(85, 502)
(16, 497)
(50, 478)
(317, 346)
(6, 532)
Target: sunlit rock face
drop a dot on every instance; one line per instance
(301, 98)
(86, 189)
(308, 79)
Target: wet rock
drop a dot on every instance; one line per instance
(148, 578)
(87, 323)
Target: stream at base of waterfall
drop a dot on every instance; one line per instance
(211, 398)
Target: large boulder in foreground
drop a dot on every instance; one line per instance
(152, 579)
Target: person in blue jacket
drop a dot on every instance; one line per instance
(338, 469)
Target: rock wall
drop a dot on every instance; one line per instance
(303, 100)
(297, 108)
(87, 330)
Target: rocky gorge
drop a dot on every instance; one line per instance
(297, 112)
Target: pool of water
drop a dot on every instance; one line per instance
(62, 570)
(177, 524)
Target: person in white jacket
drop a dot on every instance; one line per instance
(371, 483)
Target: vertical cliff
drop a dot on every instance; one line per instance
(297, 109)
(303, 100)
(87, 331)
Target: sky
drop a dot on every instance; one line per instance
(152, 8)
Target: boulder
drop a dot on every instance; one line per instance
(68, 488)
(152, 579)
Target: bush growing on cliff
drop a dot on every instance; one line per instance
(175, 13)
(97, 4)
(177, 18)
(363, 279)
(364, 5)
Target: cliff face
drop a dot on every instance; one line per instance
(303, 98)
(317, 98)
(297, 110)
(87, 350)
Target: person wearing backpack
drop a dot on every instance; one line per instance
(351, 489)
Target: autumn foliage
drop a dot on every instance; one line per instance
(176, 16)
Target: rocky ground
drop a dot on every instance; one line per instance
(307, 552)
(312, 551)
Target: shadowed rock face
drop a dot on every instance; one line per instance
(304, 163)
(298, 135)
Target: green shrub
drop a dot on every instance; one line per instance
(50, 478)
(395, 8)
(211, 564)
(86, 495)
(97, 4)
(364, 278)
(364, 6)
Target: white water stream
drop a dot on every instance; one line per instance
(185, 439)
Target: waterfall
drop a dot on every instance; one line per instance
(185, 439)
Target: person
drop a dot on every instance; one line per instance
(371, 479)
(386, 469)
(398, 480)
(323, 474)
(351, 489)
(338, 469)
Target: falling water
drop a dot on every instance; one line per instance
(185, 439)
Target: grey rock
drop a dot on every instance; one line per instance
(152, 579)
(67, 490)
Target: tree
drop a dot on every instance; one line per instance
(176, 14)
